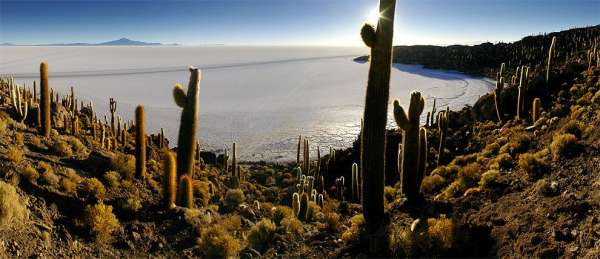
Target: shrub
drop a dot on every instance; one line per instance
(502, 161)
(261, 234)
(68, 186)
(73, 176)
(491, 150)
(564, 145)
(441, 231)
(197, 218)
(30, 174)
(389, 193)
(15, 154)
(453, 190)
(292, 225)
(356, 223)
(314, 212)
(533, 164)
(201, 190)
(113, 179)
(331, 221)
(215, 242)
(131, 204)
(233, 198)
(281, 212)
(574, 127)
(76, 145)
(93, 187)
(19, 138)
(233, 223)
(488, 178)
(13, 208)
(432, 183)
(470, 174)
(61, 148)
(50, 178)
(518, 144)
(124, 164)
(101, 221)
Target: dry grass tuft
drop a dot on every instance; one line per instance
(15, 154)
(564, 145)
(101, 222)
(30, 173)
(94, 188)
(125, 165)
(293, 226)
(534, 164)
(233, 198)
(216, 242)
(353, 233)
(261, 234)
(13, 210)
(432, 183)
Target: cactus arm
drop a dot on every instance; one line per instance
(179, 96)
(400, 116)
(368, 35)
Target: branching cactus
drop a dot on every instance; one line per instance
(169, 180)
(20, 105)
(498, 98)
(410, 124)
(45, 100)
(189, 122)
(375, 120)
(537, 105)
(443, 128)
(140, 142)
(186, 193)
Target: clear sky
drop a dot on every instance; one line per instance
(285, 22)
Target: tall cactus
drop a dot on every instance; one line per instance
(355, 184)
(140, 142)
(113, 109)
(298, 152)
(410, 125)
(432, 113)
(498, 98)
(233, 160)
(422, 159)
(170, 180)
(375, 120)
(537, 104)
(521, 95)
(550, 52)
(45, 100)
(296, 203)
(189, 122)
(443, 128)
(186, 192)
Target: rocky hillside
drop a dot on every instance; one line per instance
(73, 185)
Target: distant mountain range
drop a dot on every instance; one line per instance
(119, 42)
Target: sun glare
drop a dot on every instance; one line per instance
(373, 16)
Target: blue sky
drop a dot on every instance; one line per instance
(285, 22)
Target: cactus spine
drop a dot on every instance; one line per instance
(443, 128)
(186, 193)
(170, 180)
(410, 124)
(45, 100)
(189, 122)
(537, 103)
(140, 142)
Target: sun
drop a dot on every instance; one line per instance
(373, 16)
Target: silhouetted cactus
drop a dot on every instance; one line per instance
(140, 142)
(537, 105)
(433, 113)
(498, 98)
(443, 128)
(375, 120)
(186, 192)
(410, 124)
(422, 159)
(189, 122)
(298, 152)
(45, 100)
(169, 180)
